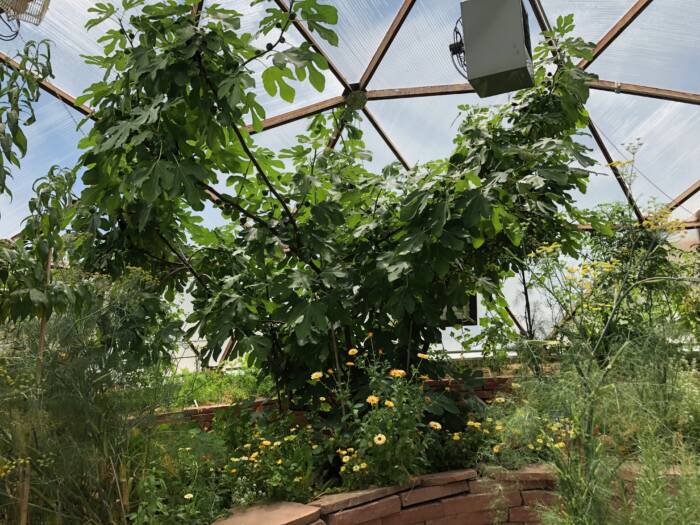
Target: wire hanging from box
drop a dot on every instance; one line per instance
(457, 50)
(9, 28)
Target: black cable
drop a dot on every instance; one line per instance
(11, 26)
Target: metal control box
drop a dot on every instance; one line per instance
(497, 47)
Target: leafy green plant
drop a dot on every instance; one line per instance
(19, 90)
(319, 253)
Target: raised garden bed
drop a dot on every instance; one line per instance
(493, 495)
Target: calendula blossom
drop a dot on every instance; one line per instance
(346, 459)
(435, 425)
(349, 363)
(316, 376)
(397, 373)
(423, 356)
(188, 496)
(379, 439)
(353, 351)
(356, 468)
(389, 404)
(373, 400)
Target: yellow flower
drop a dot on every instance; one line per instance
(316, 376)
(435, 425)
(341, 452)
(498, 427)
(349, 363)
(350, 450)
(370, 335)
(279, 461)
(379, 439)
(531, 446)
(266, 443)
(424, 377)
(456, 436)
(290, 438)
(496, 449)
(363, 466)
(389, 404)
(314, 447)
(356, 468)
(346, 459)
(329, 371)
(247, 445)
(397, 373)
(559, 444)
(423, 356)
(353, 351)
(515, 386)
(373, 400)
(342, 469)
(540, 440)
(233, 471)
(321, 398)
(499, 400)
(276, 443)
(474, 424)
(188, 496)
(297, 479)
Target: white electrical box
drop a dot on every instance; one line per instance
(497, 47)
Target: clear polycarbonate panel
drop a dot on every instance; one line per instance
(668, 151)
(423, 129)
(690, 209)
(64, 27)
(420, 56)
(660, 48)
(592, 18)
(545, 312)
(52, 140)
(375, 144)
(361, 27)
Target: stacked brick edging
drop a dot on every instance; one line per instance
(449, 498)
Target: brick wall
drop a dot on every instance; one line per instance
(450, 498)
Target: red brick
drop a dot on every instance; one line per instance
(530, 477)
(370, 511)
(524, 515)
(336, 502)
(423, 494)
(484, 486)
(415, 515)
(533, 498)
(486, 517)
(275, 514)
(480, 502)
(497, 383)
(445, 478)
